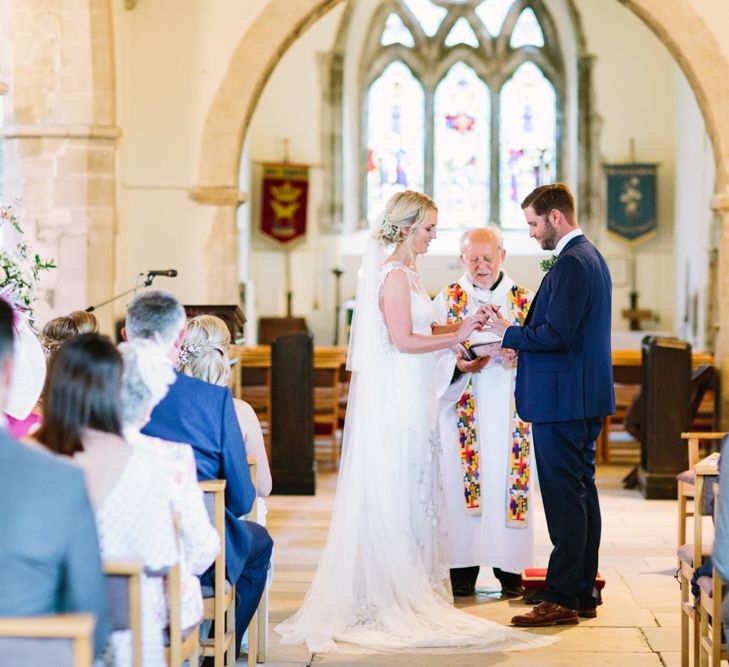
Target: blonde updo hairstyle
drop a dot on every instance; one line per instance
(204, 351)
(403, 212)
(62, 328)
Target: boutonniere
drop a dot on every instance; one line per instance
(547, 264)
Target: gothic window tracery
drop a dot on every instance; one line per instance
(464, 100)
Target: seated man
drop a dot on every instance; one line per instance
(202, 415)
(49, 552)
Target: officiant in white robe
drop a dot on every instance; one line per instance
(487, 458)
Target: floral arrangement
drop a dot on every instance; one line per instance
(546, 264)
(20, 268)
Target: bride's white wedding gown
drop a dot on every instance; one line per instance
(383, 580)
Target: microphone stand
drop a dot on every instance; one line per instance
(147, 282)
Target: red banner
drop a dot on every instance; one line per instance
(284, 194)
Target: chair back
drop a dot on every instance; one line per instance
(183, 643)
(65, 640)
(214, 497)
(219, 603)
(123, 590)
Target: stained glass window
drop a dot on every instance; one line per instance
(395, 32)
(442, 134)
(428, 14)
(461, 33)
(527, 31)
(528, 139)
(462, 148)
(395, 135)
(492, 14)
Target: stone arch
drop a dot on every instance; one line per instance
(679, 27)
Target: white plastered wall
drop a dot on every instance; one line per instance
(170, 62)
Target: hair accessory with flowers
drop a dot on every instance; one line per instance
(188, 351)
(20, 268)
(389, 232)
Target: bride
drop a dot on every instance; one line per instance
(383, 580)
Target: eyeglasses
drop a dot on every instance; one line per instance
(473, 261)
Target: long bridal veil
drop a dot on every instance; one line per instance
(381, 583)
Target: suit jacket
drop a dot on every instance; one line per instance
(565, 367)
(49, 550)
(202, 415)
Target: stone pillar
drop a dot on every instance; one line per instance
(60, 143)
(221, 248)
(720, 204)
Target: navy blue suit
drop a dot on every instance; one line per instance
(564, 386)
(202, 415)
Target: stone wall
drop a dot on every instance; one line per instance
(60, 141)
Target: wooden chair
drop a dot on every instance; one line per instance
(270, 328)
(327, 380)
(224, 600)
(65, 640)
(687, 479)
(253, 378)
(691, 557)
(713, 650)
(123, 588)
(259, 621)
(184, 643)
(220, 607)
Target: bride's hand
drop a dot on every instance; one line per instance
(469, 325)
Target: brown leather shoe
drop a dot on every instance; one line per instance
(587, 613)
(546, 613)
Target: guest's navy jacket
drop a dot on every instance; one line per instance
(565, 369)
(49, 548)
(202, 415)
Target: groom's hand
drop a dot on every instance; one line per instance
(495, 322)
(467, 366)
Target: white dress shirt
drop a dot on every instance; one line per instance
(565, 240)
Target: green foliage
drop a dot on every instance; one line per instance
(20, 268)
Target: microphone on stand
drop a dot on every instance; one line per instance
(170, 273)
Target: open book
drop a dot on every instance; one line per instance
(480, 344)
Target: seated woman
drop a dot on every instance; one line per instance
(22, 408)
(204, 355)
(130, 490)
(62, 328)
(146, 377)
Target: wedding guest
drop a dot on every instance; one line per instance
(49, 552)
(721, 539)
(564, 387)
(203, 415)
(146, 377)
(62, 328)
(22, 409)
(486, 446)
(204, 355)
(130, 491)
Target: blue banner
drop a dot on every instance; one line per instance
(631, 200)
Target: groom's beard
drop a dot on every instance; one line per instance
(549, 238)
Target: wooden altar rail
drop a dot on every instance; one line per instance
(627, 376)
(256, 362)
(251, 382)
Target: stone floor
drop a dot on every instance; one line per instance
(637, 625)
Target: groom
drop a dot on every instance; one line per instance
(564, 386)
